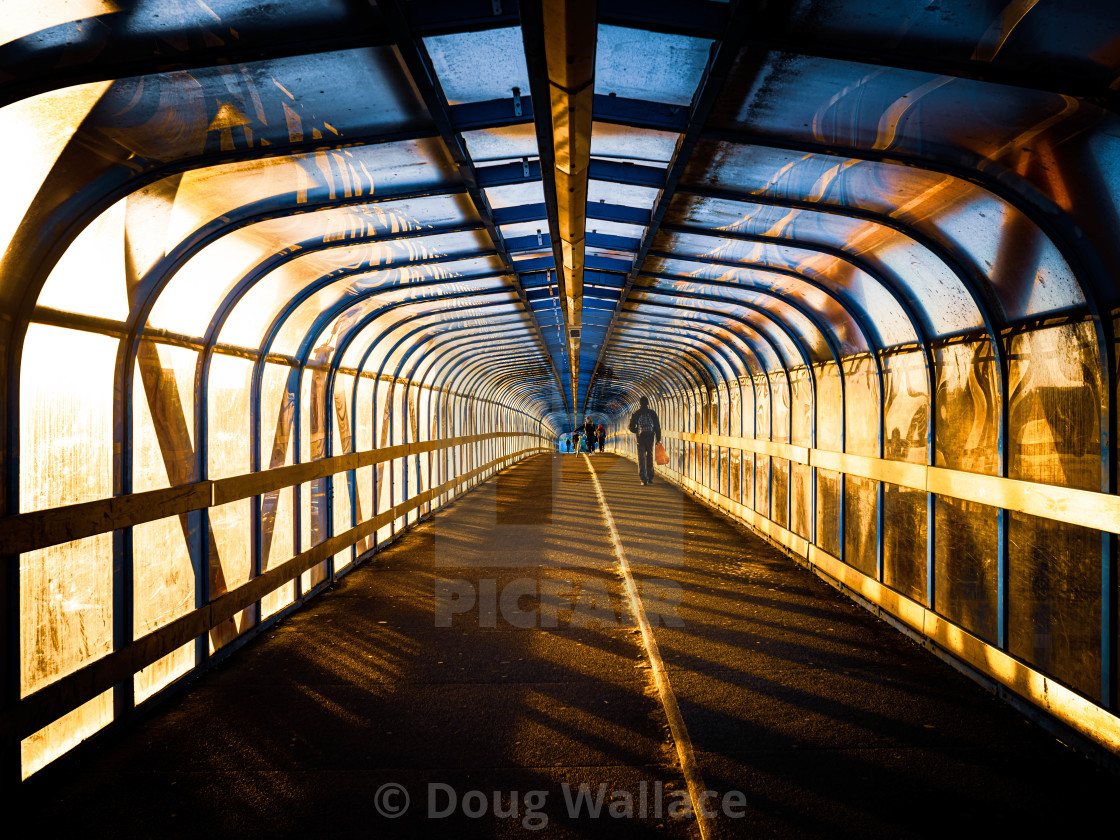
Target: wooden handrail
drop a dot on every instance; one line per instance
(42, 528)
(50, 702)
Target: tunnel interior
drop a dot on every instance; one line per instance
(281, 280)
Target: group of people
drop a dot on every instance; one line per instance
(644, 423)
(586, 438)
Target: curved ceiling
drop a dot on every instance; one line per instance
(569, 202)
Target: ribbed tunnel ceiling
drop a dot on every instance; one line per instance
(281, 280)
(582, 200)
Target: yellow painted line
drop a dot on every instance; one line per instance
(685, 753)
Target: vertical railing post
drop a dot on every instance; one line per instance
(122, 574)
(1003, 521)
(1110, 586)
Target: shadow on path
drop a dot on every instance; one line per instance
(490, 653)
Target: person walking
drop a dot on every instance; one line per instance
(647, 426)
(589, 435)
(602, 436)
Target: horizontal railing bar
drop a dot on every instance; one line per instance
(42, 528)
(119, 329)
(47, 704)
(29, 531)
(1087, 508)
(1075, 711)
(792, 452)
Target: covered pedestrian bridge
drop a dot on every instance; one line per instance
(282, 281)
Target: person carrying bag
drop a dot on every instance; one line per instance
(647, 426)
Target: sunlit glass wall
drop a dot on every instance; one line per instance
(856, 464)
(261, 423)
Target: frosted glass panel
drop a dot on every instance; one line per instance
(163, 387)
(228, 398)
(90, 277)
(39, 127)
(38, 750)
(66, 417)
(66, 609)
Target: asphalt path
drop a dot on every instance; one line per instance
(487, 675)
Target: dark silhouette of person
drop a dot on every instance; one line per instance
(647, 426)
(589, 435)
(602, 436)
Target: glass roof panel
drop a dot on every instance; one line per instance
(686, 311)
(612, 253)
(429, 347)
(515, 195)
(192, 296)
(765, 255)
(810, 336)
(243, 106)
(809, 98)
(189, 301)
(143, 122)
(705, 343)
(439, 333)
(499, 326)
(251, 317)
(386, 330)
(471, 293)
(532, 228)
(1029, 275)
(615, 229)
(962, 123)
(1068, 36)
(635, 344)
(651, 66)
(22, 17)
(526, 256)
(846, 331)
(424, 216)
(881, 248)
(378, 255)
(917, 197)
(889, 322)
(348, 324)
(505, 144)
(40, 128)
(610, 192)
(479, 66)
(712, 343)
(745, 216)
(182, 205)
(860, 22)
(632, 145)
(91, 277)
(634, 363)
(218, 19)
(467, 316)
